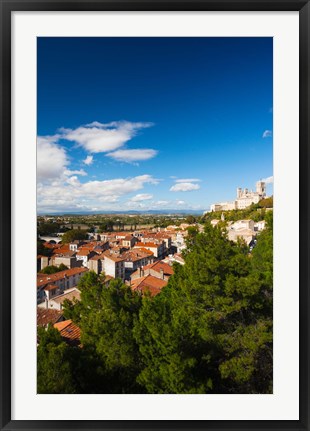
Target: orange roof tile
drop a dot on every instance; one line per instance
(43, 279)
(70, 332)
(147, 244)
(145, 250)
(47, 315)
(108, 255)
(148, 283)
(157, 266)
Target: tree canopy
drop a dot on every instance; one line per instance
(53, 269)
(208, 331)
(73, 234)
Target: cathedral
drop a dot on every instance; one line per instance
(244, 199)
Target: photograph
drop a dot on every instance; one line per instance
(154, 194)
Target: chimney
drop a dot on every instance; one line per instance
(162, 276)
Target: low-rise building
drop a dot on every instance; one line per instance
(96, 264)
(83, 255)
(49, 285)
(148, 285)
(67, 259)
(245, 234)
(55, 302)
(47, 316)
(159, 249)
(113, 265)
(174, 258)
(158, 269)
(136, 258)
(129, 241)
(260, 225)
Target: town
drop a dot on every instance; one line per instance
(142, 258)
(97, 276)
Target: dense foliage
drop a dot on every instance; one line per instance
(72, 235)
(48, 228)
(208, 331)
(52, 269)
(256, 212)
(42, 250)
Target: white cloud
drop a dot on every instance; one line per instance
(135, 155)
(181, 203)
(141, 197)
(267, 134)
(184, 187)
(74, 193)
(51, 158)
(73, 181)
(89, 160)
(104, 137)
(268, 180)
(108, 199)
(81, 172)
(188, 180)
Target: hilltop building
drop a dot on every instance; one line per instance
(244, 199)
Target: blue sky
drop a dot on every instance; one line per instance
(152, 123)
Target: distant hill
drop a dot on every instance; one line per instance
(148, 212)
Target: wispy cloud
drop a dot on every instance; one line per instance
(89, 160)
(267, 134)
(78, 172)
(184, 187)
(141, 197)
(134, 155)
(188, 180)
(103, 137)
(268, 180)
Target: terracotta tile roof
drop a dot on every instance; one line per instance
(51, 246)
(157, 266)
(134, 255)
(147, 244)
(108, 255)
(145, 250)
(43, 279)
(70, 295)
(162, 235)
(128, 238)
(97, 257)
(83, 252)
(63, 248)
(70, 332)
(149, 283)
(47, 315)
(62, 253)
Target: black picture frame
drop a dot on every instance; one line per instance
(7, 7)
